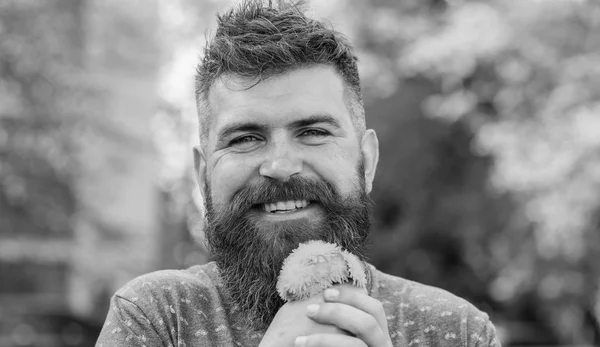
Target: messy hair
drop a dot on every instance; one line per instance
(264, 38)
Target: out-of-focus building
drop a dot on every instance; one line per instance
(85, 72)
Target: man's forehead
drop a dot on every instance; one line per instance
(316, 89)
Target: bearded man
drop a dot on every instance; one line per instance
(285, 157)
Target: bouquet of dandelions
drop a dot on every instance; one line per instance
(310, 269)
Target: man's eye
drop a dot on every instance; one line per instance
(314, 132)
(244, 140)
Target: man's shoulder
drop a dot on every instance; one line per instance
(168, 307)
(408, 291)
(173, 285)
(419, 312)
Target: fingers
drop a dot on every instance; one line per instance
(357, 322)
(323, 340)
(360, 300)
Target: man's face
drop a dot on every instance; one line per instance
(283, 165)
(296, 124)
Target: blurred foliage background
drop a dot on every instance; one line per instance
(488, 115)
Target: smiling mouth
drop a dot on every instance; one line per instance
(284, 206)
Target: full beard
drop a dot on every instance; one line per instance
(250, 253)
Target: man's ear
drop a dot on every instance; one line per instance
(370, 151)
(200, 168)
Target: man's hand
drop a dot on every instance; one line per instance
(352, 311)
(352, 318)
(291, 321)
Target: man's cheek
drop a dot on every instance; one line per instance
(222, 194)
(342, 156)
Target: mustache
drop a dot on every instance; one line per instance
(296, 188)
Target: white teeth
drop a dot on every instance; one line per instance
(301, 203)
(289, 205)
(281, 205)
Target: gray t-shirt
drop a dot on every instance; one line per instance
(189, 308)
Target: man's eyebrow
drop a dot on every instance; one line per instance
(314, 119)
(239, 127)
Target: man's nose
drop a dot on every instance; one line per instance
(281, 168)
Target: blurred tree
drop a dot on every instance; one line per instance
(77, 84)
(41, 96)
(40, 54)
